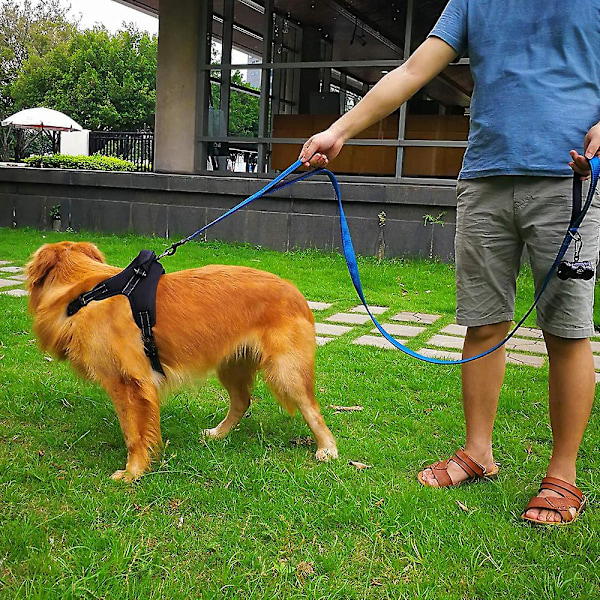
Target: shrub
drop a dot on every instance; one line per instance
(95, 162)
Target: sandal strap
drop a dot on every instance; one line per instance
(471, 467)
(562, 488)
(558, 504)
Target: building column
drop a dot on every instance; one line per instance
(182, 87)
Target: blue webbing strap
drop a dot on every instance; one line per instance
(265, 190)
(350, 255)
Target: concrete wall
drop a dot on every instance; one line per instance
(301, 216)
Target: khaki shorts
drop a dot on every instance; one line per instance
(496, 218)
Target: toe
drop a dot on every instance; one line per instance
(428, 478)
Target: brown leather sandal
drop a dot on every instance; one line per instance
(474, 470)
(567, 496)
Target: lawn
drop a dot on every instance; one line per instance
(254, 516)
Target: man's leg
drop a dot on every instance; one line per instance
(481, 383)
(571, 390)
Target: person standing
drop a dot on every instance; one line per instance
(536, 96)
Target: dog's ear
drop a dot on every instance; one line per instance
(89, 250)
(41, 263)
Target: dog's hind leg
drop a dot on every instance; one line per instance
(291, 378)
(137, 407)
(237, 377)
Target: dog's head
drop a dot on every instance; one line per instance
(58, 263)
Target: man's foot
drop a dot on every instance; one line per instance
(458, 469)
(557, 503)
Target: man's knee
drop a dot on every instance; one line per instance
(556, 344)
(493, 332)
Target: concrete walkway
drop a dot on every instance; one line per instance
(526, 348)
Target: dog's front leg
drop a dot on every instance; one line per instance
(138, 410)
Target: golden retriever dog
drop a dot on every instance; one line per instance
(232, 320)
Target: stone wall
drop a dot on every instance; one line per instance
(301, 216)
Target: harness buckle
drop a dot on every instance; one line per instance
(75, 305)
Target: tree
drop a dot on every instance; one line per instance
(103, 81)
(244, 107)
(26, 29)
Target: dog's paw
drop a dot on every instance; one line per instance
(213, 434)
(123, 475)
(326, 454)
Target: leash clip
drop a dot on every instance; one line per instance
(578, 243)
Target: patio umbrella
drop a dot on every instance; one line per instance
(41, 118)
(45, 120)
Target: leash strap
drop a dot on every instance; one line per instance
(265, 190)
(138, 283)
(578, 213)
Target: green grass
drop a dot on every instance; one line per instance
(254, 516)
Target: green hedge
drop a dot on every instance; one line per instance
(95, 162)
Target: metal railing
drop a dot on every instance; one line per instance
(136, 147)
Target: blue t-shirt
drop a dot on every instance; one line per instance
(536, 69)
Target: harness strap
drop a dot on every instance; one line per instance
(138, 282)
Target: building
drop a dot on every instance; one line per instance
(310, 61)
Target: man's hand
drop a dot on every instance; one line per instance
(321, 148)
(591, 147)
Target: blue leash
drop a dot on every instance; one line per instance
(278, 184)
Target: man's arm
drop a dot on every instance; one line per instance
(393, 90)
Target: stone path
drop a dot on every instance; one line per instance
(12, 279)
(525, 348)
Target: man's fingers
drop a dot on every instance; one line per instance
(591, 142)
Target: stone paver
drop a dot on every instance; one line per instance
(375, 340)
(7, 282)
(454, 329)
(395, 329)
(596, 362)
(524, 359)
(416, 317)
(511, 357)
(18, 277)
(595, 346)
(5, 262)
(526, 332)
(321, 341)
(597, 377)
(441, 354)
(328, 329)
(376, 310)
(18, 292)
(11, 269)
(535, 346)
(530, 332)
(350, 318)
(319, 305)
(448, 341)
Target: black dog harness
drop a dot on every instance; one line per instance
(138, 282)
